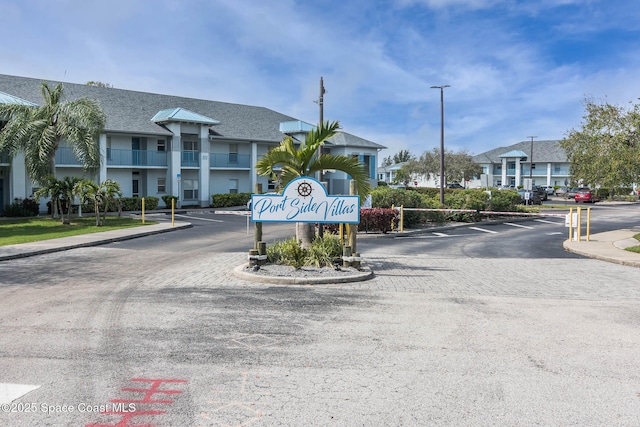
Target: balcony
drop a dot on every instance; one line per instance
(65, 156)
(230, 161)
(117, 157)
(190, 159)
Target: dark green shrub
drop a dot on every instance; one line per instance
(476, 200)
(385, 197)
(22, 208)
(231, 199)
(320, 254)
(504, 200)
(167, 201)
(323, 251)
(286, 252)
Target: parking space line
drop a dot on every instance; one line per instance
(517, 225)
(441, 234)
(549, 222)
(11, 392)
(200, 219)
(483, 230)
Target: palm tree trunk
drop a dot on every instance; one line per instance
(304, 234)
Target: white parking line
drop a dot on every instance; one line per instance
(483, 230)
(549, 222)
(554, 233)
(440, 234)
(518, 225)
(11, 392)
(199, 218)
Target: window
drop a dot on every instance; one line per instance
(190, 189)
(190, 145)
(233, 153)
(233, 186)
(162, 145)
(271, 185)
(162, 185)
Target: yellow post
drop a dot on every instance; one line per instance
(393, 208)
(578, 237)
(588, 223)
(570, 224)
(143, 210)
(173, 211)
(353, 228)
(341, 232)
(401, 218)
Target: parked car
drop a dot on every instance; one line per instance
(541, 191)
(507, 187)
(454, 185)
(562, 191)
(571, 193)
(534, 197)
(585, 195)
(549, 189)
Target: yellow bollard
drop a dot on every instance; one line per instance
(341, 233)
(401, 218)
(143, 210)
(392, 208)
(173, 212)
(588, 223)
(578, 236)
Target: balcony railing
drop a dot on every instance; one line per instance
(64, 156)
(190, 158)
(226, 160)
(118, 157)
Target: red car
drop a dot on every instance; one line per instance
(586, 195)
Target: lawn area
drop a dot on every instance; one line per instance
(635, 249)
(25, 230)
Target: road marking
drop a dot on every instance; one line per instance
(11, 392)
(555, 233)
(441, 234)
(549, 222)
(483, 230)
(517, 225)
(200, 219)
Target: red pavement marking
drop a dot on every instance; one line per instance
(147, 399)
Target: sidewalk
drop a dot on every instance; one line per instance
(609, 246)
(84, 240)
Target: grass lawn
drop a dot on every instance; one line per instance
(635, 249)
(25, 230)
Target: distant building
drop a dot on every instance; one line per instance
(509, 165)
(156, 145)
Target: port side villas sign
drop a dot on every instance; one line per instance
(305, 200)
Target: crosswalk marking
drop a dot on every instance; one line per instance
(483, 230)
(518, 225)
(11, 392)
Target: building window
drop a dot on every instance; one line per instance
(190, 189)
(271, 185)
(162, 185)
(233, 186)
(233, 153)
(162, 145)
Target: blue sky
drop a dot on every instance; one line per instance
(516, 67)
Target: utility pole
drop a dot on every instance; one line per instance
(531, 160)
(320, 125)
(442, 87)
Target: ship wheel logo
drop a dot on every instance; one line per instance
(304, 189)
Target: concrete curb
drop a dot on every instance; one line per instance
(365, 274)
(84, 240)
(608, 246)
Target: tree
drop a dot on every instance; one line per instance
(99, 84)
(605, 151)
(304, 161)
(38, 131)
(400, 157)
(52, 188)
(458, 167)
(98, 194)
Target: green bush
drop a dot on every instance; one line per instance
(167, 200)
(378, 219)
(321, 253)
(385, 197)
(504, 200)
(231, 199)
(22, 208)
(476, 200)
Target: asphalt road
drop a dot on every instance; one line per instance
(469, 327)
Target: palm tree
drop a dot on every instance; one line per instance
(38, 131)
(305, 161)
(52, 188)
(99, 194)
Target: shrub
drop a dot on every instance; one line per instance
(378, 219)
(321, 253)
(167, 200)
(231, 199)
(385, 197)
(22, 208)
(504, 200)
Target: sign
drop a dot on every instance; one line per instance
(305, 200)
(571, 221)
(527, 184)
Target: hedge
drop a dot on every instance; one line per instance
(230, 199)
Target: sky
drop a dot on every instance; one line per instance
(516, 68)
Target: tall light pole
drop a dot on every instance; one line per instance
(441, 140)
(531, 160)
(320, 125)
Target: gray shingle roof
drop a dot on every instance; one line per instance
(131, 111)
(543, 151)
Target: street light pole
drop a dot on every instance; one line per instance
(441, 140)
(531, 160)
